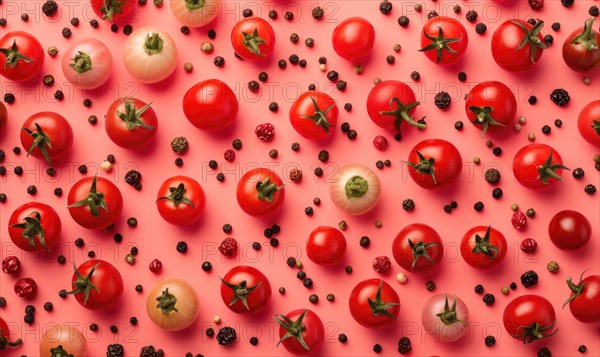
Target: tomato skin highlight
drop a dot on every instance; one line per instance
(185, 210)
(210, 105)
(27, 54)
(353, 38)
(304, 107)
(492, 248)
(361, 310)
(326, 245)
(247, 192)
(261, 34)
(106, 278)
(588, 123)
(253, 279)
(528, 313)
(569, 230)
(48, 220)
(58, 131)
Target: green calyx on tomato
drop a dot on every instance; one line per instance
(534, 332)
(13, 56)
(83, 284)
(133, 117)
(40, 140)
(587, 38)
(424, 166)
(112, 7)
(531, 37)
(252, 41)
(153, 44)
(194, 5)
(482, 245)
(320, 116)
(577, 289)
(401, 113)
(32, 227)
(266, 189)
(484, 117)
(420, 250)
(546, 170)
(439, 43)
(4, 342)
(241, 292)
(177, 196)
(356, 187)
(59, 351)
(380, 307)
(596, 126)
(166, 302)
(448, 316)
(81, 63)
(94, 200)
(294, 329)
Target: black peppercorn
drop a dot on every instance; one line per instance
(480, 28)
(323, 155)
(490, 341)
(308, 282)
(492, 176)
(385, 7)
(311, 87)
(294, 59)
(282, 63)
(272, 14)
(478, 206)
(308, 211)
(48, 306)
(273, 107)
(313, 298)
(256, 246)
(345, 127)
(546, 129)
(582, 349)
(3, 197)
(462, 76)
(210, 332)
(3, 22)
(513, 286)
(134, 251)
(352, 134)
(254, 341)
(348, 269)
(301, 275)
(458, 125)
(342, 338)
(341, 85)
(403, 21)
(497, 151)
(332, 76)
(479, 289)
(9, 98)
(590, 189)
(25, 17)
(91, 254)
(471, 15)
(79, 242)
(182, 247)
(94, 23)
(114, 329)
(432, 14)
(49, 8)
(178, 162)
(594, 11)
(3, 170)
(364, 241)
(274, 242)
(18, 170)
(578, 173)
(288, 16)
(317, 13)
(489, 299)
(379, 164)
(139, 288)
(497, 193)
(219, 61)
(377, 348)
(247, 12)
(29, 319)
(294, 37)
(206, 266)
(544, 352)
(32, 190)
(532, 100)
(557, 123)
(415, 76)
(555, 26)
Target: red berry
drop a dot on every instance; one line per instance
(382, 264)
(11, 264)
(265, 131)
(380, 142)
(519, 220)
(228, 247)
(25, 287)
(528, 245)
(229, 155)
(156, 266)
(536, 4)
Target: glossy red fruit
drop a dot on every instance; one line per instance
(382, 264)
(25, 287)
(569, 230)
(353, 38)
(518, 45)
(444, 40)
(155, 266)
(301, 331)
(584, 301)
(373, 303)
(581, 50)
(228, 247)
(529, 318)
(380, 143)
(11, 264)
(518, 220)
(528, 245)
(588, 123)
(491, 106)
(245, 289)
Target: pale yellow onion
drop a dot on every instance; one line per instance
(70, 338)
(186, 304)
(355, 204)
(195, 13)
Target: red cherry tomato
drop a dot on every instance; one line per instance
(391, 104)
(584, 301)
(517, 45)
(418, 248)
(245, 289)
(114, 10)
(21, 56)
(3, 116)
(210, 105)
(374, 303)
(537, 166)
(95, 202)
(97, 285)
(131, 123)
(34, 227)
(434, 164)
(569, 230)
(180, 200)
(580, 50)
(444, 40)
(253, 38)
(588, 123)
(314, 115)
(4, 335)
(483, 247)
(260, 192)
(301, 331)
(47, 135)
(529, 318)
(326, 245)
(353, 38)
(491, 106)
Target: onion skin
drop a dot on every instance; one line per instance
(358, 202)
(69, 337)
(187, 305)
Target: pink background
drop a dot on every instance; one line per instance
(157, 239)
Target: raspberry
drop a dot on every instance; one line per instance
(228, 247)
(380, 142)
(382, 264)
(265, 131)
(518, 220)
(528, 245)
(536, 4)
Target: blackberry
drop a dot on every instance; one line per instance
(404, 345)
(492, 176)
(442, 100)
(133, 177)
(529, 278)
(590, 189)
(560, 97)
(408, 204)
(385, 7)
(115, 350)
(490, 341)
(226, 336)
(489, 299)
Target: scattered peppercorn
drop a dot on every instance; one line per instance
(490, 341)
(308, 211)
(489, 299)
(94, 24)
(178, 162)
(430, 285)
(578, 173)
(182, 247)
(332, 75)
(9, 98)
(282, 63)
(313, 298)
(582, 349)
(594, 11)
(288, 16)
(404, 345)
(590, 189)
(497, 151)
(219, 61)
(377, 348)
(408, 204)
(206, 266)
(415, 76)
(479, 289)
(403, 21)
(544, 352)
